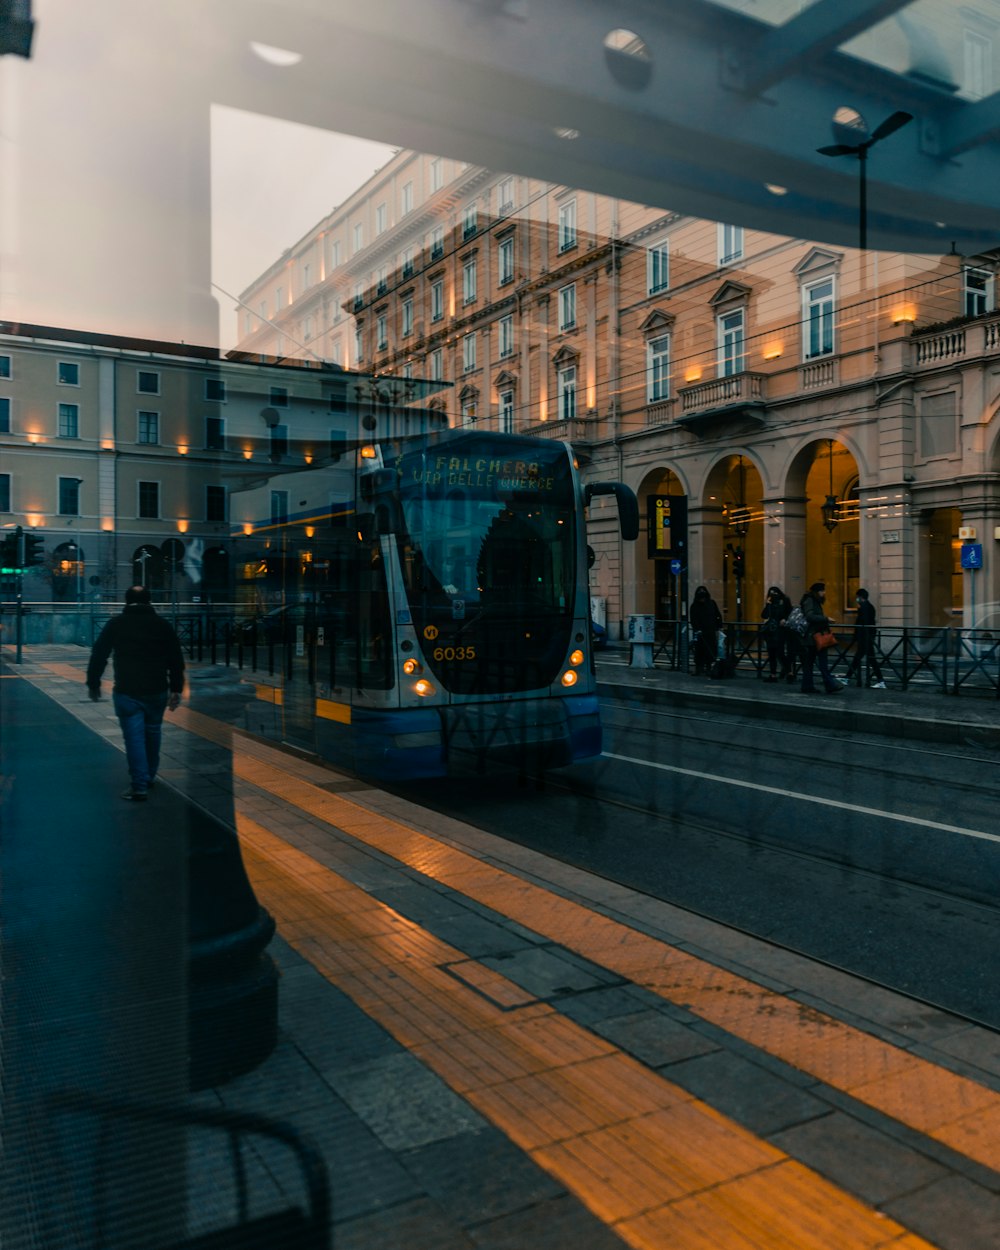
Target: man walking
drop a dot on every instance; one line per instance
(149, 678)
(864, 642)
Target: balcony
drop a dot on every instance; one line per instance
(964, 339)
(741, 397)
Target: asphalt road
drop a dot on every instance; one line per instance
(879, 858)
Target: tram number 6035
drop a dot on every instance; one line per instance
(454, 653)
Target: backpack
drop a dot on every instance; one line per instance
(797, 623)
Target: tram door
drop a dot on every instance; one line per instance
(298, 650)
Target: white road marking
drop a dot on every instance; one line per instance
(806, 798)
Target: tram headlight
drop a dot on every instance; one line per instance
(424, 688)
(412, 666)
(569, 678)
(576, 658)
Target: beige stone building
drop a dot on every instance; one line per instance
(826, 414)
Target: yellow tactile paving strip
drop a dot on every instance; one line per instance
(662, 1169)
(943, 1105)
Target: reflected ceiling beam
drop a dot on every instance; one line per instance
(805, 39)
(971, 126)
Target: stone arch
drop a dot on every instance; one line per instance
(655, 588)
(731, 534)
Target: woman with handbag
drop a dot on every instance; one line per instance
(817, 642)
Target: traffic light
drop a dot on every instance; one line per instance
(34, 552)
(8, 552)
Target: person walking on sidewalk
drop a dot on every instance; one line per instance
(149, 678)
(864, 642)
(705, 620)
(819, 622)
(775, 613)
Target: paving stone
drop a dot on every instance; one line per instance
(558, 1224)
(953, 1213)
(752, 1096)
(545, 972)
(655, 1038)
(475, 936)
(414, 1225)
(404, 1103)
(479, 1176)
(862, 1159)
(606, 1004)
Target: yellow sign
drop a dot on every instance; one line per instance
(430, 632)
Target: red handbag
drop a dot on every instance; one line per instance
(826, 638)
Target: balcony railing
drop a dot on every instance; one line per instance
(819, 374)
(964, 341)
(738, 388)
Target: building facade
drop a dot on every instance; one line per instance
(824, 413)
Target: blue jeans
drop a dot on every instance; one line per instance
(141, 721)
(813, 657)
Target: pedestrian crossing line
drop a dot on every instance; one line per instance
(661, 1168)
(951, 1109)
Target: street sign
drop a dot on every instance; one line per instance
(972, 555)
(675, 566)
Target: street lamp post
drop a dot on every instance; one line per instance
(860, 150)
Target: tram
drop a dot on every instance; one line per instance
(429, 598)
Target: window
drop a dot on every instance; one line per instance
(147, 382)
(215, 434)
(69, 496)
(382, 284)
(978, 291)
(149, 427)
(406, 199)
(977, 57)
(658, 267)
(730, 243)
(279, 506)
(279, 441)
(279, 396)
(469, 282)
(658, 368)
(215, 503)
(818, 310)
(732, 350)
(68, 374)
(437, 174)
(437, 300)
(263, 310)
(437, 242)
(567, 225)
(359, 236)
(4, 366)
(469, 218)
(279, 299)
(381, 333)
(407, 326)
(469, 352)
(149, 500)
(215, 390)
(5, 492)
(69, 420)
(359, 343)
(381, 219)
(507, 412)
(4, 415)
(407, 262)
(505, 336)
(359, 296)
(408, 370)
(468, 412)
(566, 392)
(567, 306)
(335, 254)
(306, 277)
(505, 261)
(437, 365)
(307, 329)
(505, 196)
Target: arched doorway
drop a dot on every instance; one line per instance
(68, 565)
(734, 540)
(658, 589)
(822, 512)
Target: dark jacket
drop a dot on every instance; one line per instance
(147, 654)
(864, 624)
(812, 610)
(775, 611)
(704, 616)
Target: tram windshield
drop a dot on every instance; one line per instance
(489, 559)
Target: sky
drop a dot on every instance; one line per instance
(259, 210)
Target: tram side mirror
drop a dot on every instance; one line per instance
(628, 505)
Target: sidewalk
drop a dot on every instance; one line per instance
(493, 1050)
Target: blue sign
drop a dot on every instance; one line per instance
(972, 555)
(675, 566)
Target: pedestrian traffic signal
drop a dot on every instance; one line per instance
(34, 550)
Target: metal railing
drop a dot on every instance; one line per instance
(954, 661)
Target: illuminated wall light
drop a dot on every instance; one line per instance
(693, 374)
(108, 524)
(35, 519)
(368, 453)
(247, 453)
(308, 457)
(108, 444)
(905, 313)
(310, 531)
(181, 449)
(773, 351)
(33, 437)
(247, 528)
(182, 527)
